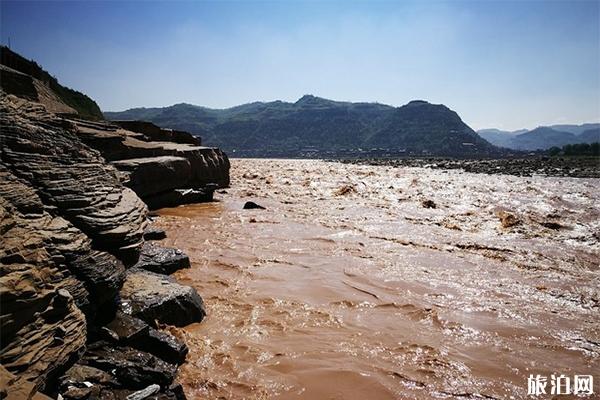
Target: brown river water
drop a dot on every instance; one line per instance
(348, 287)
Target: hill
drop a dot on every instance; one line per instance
(589, 136)
(26, 79)
(575, 129)
(318, 126)
(499, 137)
(543, 137)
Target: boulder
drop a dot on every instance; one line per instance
(153, 297)
(162, 260)
(428, 204)
(78, 374)
(177, 197)
(126, 330)
(152, 175)
(144, 393)
(154, 234)
(508, 219)
(132, 369)
(250, 205)
(164, 346)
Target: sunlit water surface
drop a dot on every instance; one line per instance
(347, 287)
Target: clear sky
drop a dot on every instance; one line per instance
(508, 64)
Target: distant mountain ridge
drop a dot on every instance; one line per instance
(314, 124)
(543, 137)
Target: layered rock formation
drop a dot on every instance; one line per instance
(164, 167)
(70, 229)
(81, 290)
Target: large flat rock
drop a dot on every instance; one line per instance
(151, 175)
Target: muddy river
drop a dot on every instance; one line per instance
(374, 282)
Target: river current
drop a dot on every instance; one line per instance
(374, 282)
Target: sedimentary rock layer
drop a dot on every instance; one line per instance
(70, 177)
(157, 162)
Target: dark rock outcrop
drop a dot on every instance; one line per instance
(177, 197)
(154, 297)
(164, 346)
(154, 234)
(133, 369)
(162, 260)
(126, 330)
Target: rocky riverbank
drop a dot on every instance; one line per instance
(575, 167)
(84, 291)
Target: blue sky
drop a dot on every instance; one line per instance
(508, 64)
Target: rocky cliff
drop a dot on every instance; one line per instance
(164, 167)
(81, 287)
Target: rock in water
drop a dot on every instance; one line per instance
(428, 204)
(507, 219)
(153, 297)
(154, 234)
(250, 205)
(162, 260)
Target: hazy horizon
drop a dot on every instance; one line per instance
(505, 65)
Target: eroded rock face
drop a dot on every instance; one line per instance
(45, 152)
(152, 175)
(69, 228)
(60, 203)
(15, 388)
(41, 325)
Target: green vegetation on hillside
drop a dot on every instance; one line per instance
(85, 107)
(318, 125)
